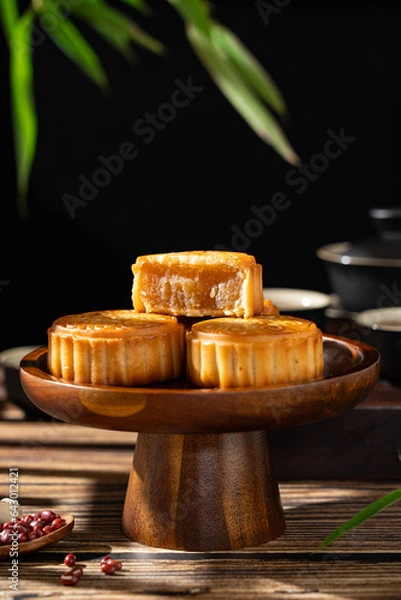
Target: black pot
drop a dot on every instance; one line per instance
(381, 328)
(367, 273)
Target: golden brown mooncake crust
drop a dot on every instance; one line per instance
(116, 347)
(269, 308)
(198, 283)
(256, 352)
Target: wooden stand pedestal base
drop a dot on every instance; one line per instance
(205, 490)
(202, 492)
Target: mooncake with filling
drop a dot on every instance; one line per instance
(211, 283)
(263, 350)
(116, 347)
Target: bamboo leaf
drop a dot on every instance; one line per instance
(121, 43)
(112, 35)
(140, 5)
(23, 105)
(9, 14)
(241, 96)
(362, 516)
(72, 43)
(196, 12)
(110, 19)
(249, 66)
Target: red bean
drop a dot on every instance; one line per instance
(47, 515)
(57, 523)
(22, 527)
(30, 526)
(108, 568)
(69, 579)
(48, 529)
(38, 530)
(6, 536)
(73, 576)
(69, 560)
(27, 519)
(38, 522)
(110, 565)
(105, 558)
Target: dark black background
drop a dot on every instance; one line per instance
(338, 66)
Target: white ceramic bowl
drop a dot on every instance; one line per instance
(308, 304)
(381, 328)
(386, 319)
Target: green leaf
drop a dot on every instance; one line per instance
(23, 105)
(140, 5)
(110, 19)
(195, 12)
(121, 43)
(72, 43)
(242, 97)
(362, 516)
(116, 38)
(9, 14)
(249, 66)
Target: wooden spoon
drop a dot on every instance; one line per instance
(38, 543)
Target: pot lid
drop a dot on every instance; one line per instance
(383, 250)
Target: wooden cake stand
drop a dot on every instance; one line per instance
(202, 478)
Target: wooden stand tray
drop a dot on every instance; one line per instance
(202, 477)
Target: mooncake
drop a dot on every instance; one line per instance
(211, 283)
(116, 347)
(260, 351)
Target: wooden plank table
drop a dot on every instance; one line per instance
(85, 471)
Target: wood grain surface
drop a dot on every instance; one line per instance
(85, 472)
(203, 492)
